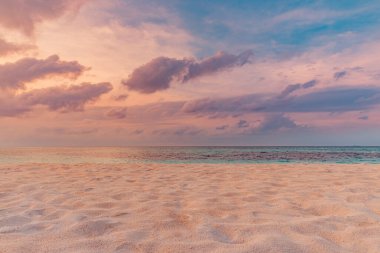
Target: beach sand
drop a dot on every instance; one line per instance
(190, 208)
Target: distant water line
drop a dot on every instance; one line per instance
(188, 155)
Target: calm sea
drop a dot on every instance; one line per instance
(112, 155)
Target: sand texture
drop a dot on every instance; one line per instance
(190, 208)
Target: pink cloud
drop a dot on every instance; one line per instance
(178, 131)
(121, 97)
(10, 48)
(67, 131)
(10, 106)
(117, 113)
(24, 15)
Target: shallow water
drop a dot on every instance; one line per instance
(215, 155)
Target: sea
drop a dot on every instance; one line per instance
(189, 155)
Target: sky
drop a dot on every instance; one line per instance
(181, 72)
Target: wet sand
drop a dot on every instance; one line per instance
(190, 208)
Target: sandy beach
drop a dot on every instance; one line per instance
(190, 208)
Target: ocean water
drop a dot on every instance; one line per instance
(115, 155)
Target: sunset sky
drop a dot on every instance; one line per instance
(188, 72)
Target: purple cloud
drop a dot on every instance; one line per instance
(161, 72)
(293, 87)
(341, 99)
(340, 74)
(15, 75)
(222, 127)
(336, 99)
(343, 73)
(156, 75)
(229, 105)
(276, 122)
(218, 62)
(242, 124)
(63, 98)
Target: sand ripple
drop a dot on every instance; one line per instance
(190, 208)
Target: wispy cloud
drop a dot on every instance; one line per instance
(121, 97)
(293, 87)
(178, 131)
(7, 47)
(117, 113)
(340, 74)
(67, 131)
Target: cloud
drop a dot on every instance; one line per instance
(325, 100)
(161, 72)
(10, 106)
(340, 74)
(15, 75)
(336, 99)
(117, 113)
(309, 84)
(236, 104)
(10, 48)
(67, 131)
(218, 62)
(242, 124)
(344, 73)
(23, 15)
(121, 97)
(274, 123)
(293, 87)
(365, 117)
(330, 100)
(60, 98)
(138, 132)
(222, 127)
(180, 131)
(66, 98)
(156, 75)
